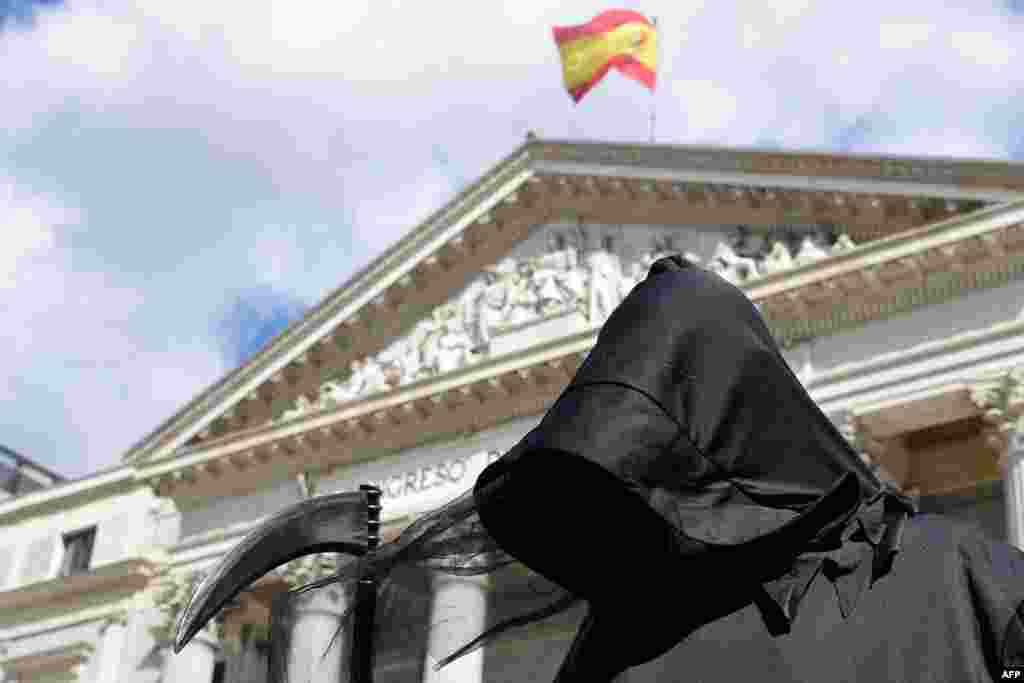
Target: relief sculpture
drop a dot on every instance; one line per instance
(576, 272)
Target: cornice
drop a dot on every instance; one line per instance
(290, 360)
(893, 275)
(1000, 397)
(976, 173)
(916, 355)
(300, 373)
(130, 574)
(55, 660)
(495, 379)
(945, 233)
(67, 493)
(765, 181)
(67, 620)
(994, 234)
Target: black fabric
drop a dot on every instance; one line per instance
(686, 401)
(948, 612)
(688, 493)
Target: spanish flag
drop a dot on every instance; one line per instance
(617, 38)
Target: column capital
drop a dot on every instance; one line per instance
(872, 451)
(860, 438)
(1014, 434)
(484, 581)
(325, 601)
(999, 397)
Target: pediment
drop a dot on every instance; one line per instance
(548, 241)
(561, 280)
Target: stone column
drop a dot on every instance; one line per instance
(1013, 487)
(194, 664)
(5, 675)
(317, 618)
(459, 613)
(112, 645)
(999, 398)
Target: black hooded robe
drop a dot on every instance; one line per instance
(689, 492)
(749, 538)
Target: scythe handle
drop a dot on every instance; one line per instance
(366, 595)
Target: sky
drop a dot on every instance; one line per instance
(180, 180)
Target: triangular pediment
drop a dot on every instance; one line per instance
(549, 240)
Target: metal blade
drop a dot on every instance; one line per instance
(334, 523)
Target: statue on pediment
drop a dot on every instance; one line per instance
(843, 243)
(605, 281)
(366, 376)
(401, 361)
(661, 246)
(809, 252)
(335, 391)
(777, 259)
(632, 274)
(524, 301)
(747, 243)
(373, 377)
(558, 278)
(730, 266)
(300, 407)
(561, 255)
(490, 308)
(550, 294)
(449, 349)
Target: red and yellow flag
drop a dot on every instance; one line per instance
(617, 38)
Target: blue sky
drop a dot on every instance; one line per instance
(179, 180)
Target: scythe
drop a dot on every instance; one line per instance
(346, 523)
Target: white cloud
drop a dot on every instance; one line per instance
(103, 45)
(904, 35)
(312, 129)
(30, 222)
(984, 48)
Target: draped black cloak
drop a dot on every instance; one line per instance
(686, 429)
(688, 492)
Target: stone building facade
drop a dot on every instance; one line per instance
(894, 285)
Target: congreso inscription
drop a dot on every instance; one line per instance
(448, 472)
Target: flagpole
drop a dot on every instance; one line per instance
(654, 90)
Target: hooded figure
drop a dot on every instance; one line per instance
(686, 489)
(686, 426)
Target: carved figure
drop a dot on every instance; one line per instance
(605, 282)
(844, 243)
(731, 266)
(778, 259)
(809, 252)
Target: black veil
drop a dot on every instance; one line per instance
(704, 480)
